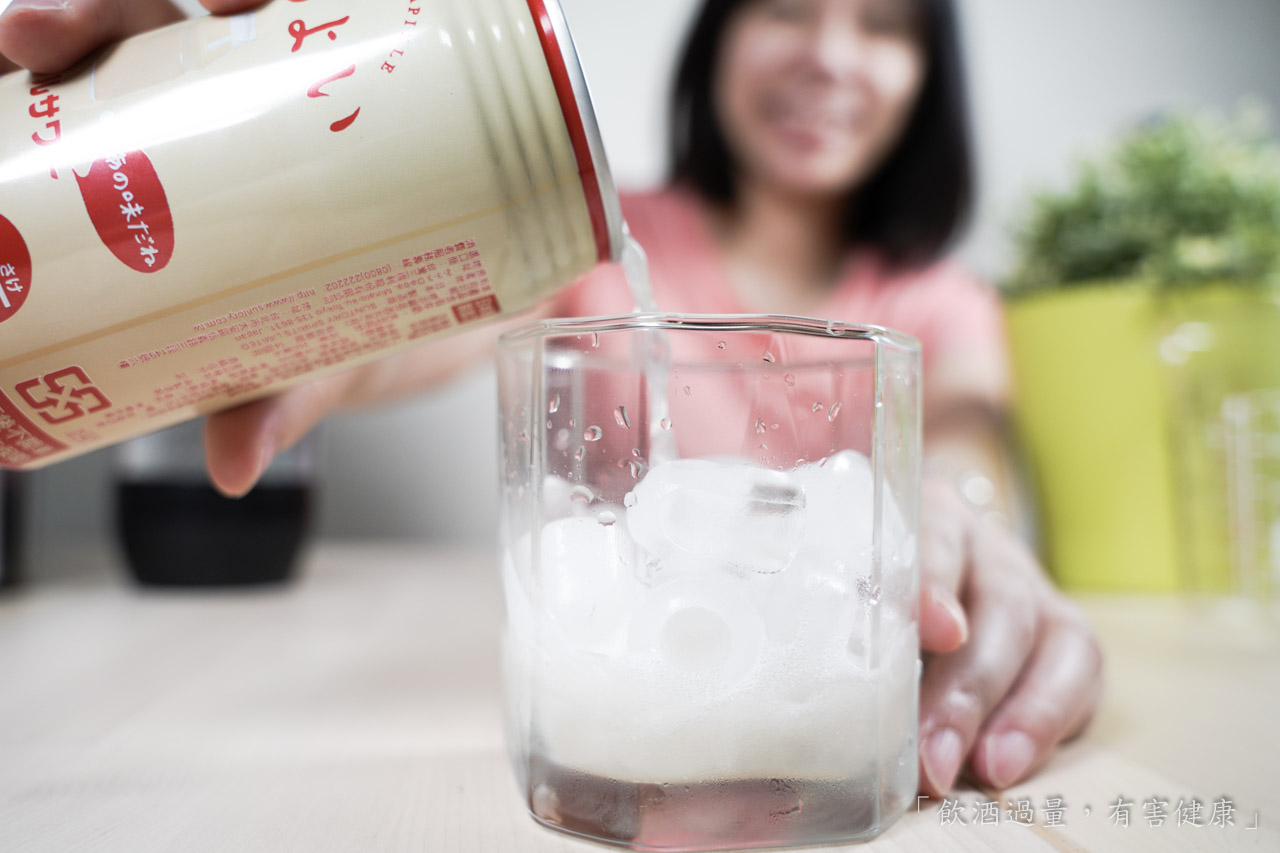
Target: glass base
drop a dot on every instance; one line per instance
(703, 816)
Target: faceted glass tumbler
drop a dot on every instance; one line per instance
(708, 541)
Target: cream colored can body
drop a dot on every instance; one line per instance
(217, 210)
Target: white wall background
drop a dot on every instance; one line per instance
(1051, 79)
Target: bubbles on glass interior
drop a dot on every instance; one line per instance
(833, 412)
(523, 437)
(581, 495)
(620, 415)
(688, 391)
(554, 405)
(816, 407)
(665, 423)
(606, 518)
(721, 344)
(790, 379)
(579, 454)
(760, 426)
(592, 433)
(768, 357)
(868, 592)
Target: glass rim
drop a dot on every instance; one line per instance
(787, 323)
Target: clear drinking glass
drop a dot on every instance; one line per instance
(709, 562)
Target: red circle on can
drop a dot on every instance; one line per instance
(15, 270)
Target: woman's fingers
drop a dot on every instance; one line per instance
(1055, 698)
(945, 524)
(230, 7)
(961, 689)
(51, 35)
(241, 442)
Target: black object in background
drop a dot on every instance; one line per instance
(177, 530)
(11, 528)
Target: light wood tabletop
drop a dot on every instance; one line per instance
(359, 710)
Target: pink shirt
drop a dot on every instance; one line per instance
(949, 311)
(776, 424)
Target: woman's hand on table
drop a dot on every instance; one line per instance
(1012, 667)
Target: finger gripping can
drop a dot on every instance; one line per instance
(213, 211)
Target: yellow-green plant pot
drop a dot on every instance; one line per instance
(1119, 405)
(1089, 408)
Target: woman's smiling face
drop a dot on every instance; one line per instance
(812, 95)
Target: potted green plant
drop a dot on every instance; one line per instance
(1143, 294)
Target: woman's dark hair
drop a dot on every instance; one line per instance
(918, 199)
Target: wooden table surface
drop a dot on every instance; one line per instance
(358, 710)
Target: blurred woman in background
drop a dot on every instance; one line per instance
(821, 167)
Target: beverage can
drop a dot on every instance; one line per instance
(213, 211)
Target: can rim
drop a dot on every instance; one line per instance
(584, 130)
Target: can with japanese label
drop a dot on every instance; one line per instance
(213, 211)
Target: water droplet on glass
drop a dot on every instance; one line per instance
(548, 423)
(581, 495)
(523, 437)
(721, 345)
(635, 467)
(773, 426)
(620, 415)
(790, 379)
(688, 392)
(595, 339)
(769, 358)
(665, 423)
(816, 407)
(833, 412)
(592, 433)
(635, 451)
(562, 439)
(629, 499)
(760, 426)
(554, 405)
(579, 453)
(764, 446)
(822, 462)
(571, 423)
(606, 518)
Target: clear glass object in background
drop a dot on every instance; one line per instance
(709, 561)
(177, 530)
(1251, 451)
(1223, 368)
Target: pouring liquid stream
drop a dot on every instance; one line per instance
(656, 357)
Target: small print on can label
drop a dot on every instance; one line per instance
(15, 270)
(129, 210)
